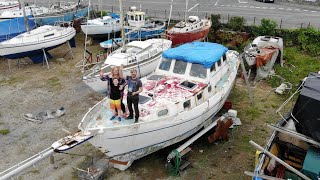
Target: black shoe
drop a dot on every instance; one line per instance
(129, 117)
(136, 120)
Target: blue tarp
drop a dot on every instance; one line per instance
(115, 16)
(203, 53)
(13, 27)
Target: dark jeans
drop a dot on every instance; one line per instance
(133, 100)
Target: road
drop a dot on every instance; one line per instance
(291, 15)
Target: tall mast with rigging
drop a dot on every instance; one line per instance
(26, 23)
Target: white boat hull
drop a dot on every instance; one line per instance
(100, 29)
(130, 142)
(10, 49)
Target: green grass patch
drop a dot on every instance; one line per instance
(4, 131)
(253, 112)
(11, 81)
(298, 66)
(54, 83)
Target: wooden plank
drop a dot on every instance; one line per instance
(185, 151)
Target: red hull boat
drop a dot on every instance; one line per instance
(185, 32)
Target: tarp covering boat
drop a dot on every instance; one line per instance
(13, 27)
(306, 109)
(203, 53)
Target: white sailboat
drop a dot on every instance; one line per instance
(179, 98)
(36, 43)
(8, 5)
(141, 55)
(102, 26)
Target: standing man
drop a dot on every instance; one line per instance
(134, 88)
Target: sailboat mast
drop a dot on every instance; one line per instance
(100, 4)
(170, 14)
(185, 14)
(122, 27)
(25, 16)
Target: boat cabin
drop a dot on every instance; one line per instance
(193, 23)
(135, 18)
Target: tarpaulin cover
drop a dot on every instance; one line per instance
(306, 109)
(203, 53)
(115, 16)
(13, 27)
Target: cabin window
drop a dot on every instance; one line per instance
(186, 104)
(143, 99)
(224, 57)
(163, 112)
(180, 67)
(187, 84)
(137, 18)
(219, 63)
(199, 96)
(201, 24)
(213, 68)
(197, 70)
(165, 64)
(155, 77)
(140, 17)
(209, 88)
(48, 35)
(132, 17)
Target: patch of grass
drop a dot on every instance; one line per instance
(4, 131)
(23, 136)
(34, 171)
(298, 66)
(54, 83)
(253, 112)
(11, 81)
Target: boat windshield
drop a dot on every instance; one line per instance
(165, 64)
(197, 70)
(180, 67)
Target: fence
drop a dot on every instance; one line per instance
(225, 17)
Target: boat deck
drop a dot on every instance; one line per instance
(158, 92)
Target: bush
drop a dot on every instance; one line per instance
(310, 40)
(267, 27)
(236, 23)
(215, 20)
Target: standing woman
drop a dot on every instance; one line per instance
(115, 74)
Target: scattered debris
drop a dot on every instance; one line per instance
(42, 116)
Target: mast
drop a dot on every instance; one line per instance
(100, 4)
(26, 23)
(170, 14)
(185, 14)
(122, 28)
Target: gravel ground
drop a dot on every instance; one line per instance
(32, 88)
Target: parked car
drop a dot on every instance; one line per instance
(271, 1)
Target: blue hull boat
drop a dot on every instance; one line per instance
(13, 27)
(59, 17)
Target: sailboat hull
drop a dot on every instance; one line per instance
(181, 38)
(15, 50)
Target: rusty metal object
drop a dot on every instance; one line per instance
(221, 130)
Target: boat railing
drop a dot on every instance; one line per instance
(92, 112)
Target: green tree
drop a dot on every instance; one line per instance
(215, 20)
